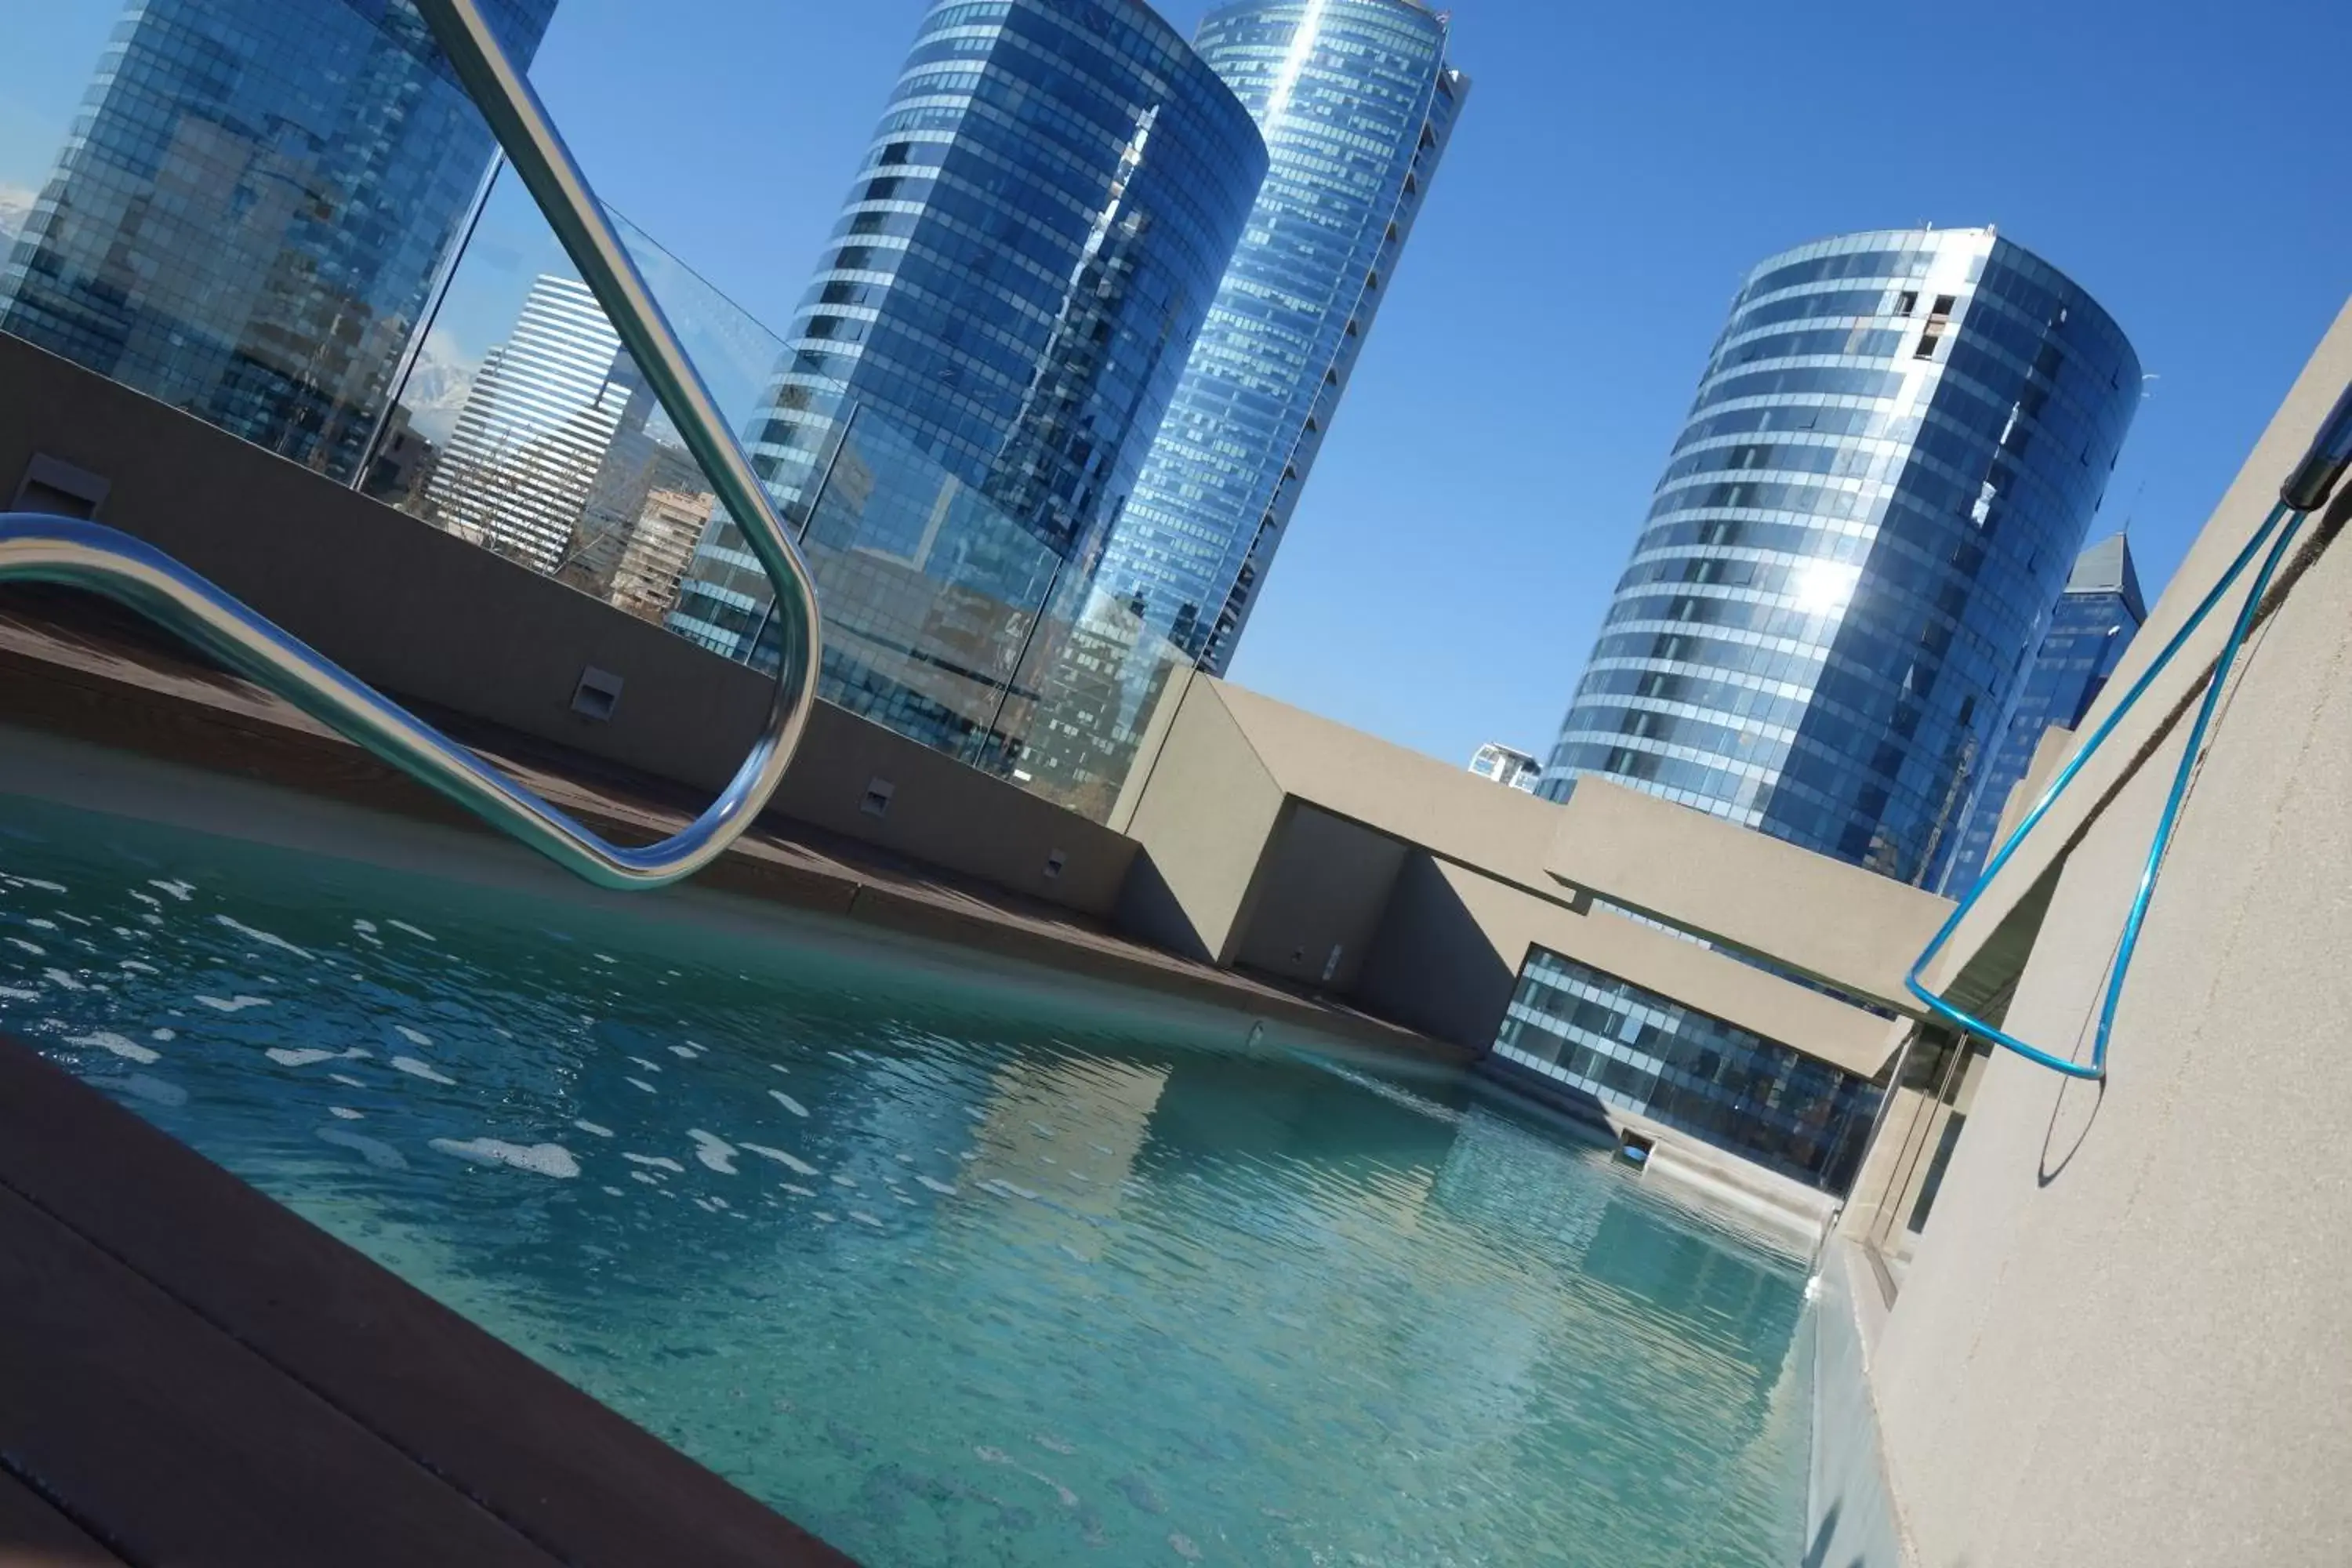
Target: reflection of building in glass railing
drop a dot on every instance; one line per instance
(1017, 291)
(935, 595)
(402, 464)
(251, 210)
(660, 548)
(1088, 697)
(930, 592)
(621, 528)
(536, 426)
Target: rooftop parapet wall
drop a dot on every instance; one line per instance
(439, 622)
(2123, 1338)
(1854, 929)
(1243, 778)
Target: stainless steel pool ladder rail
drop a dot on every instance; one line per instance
(87, 555)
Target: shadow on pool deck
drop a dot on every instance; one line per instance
(191, 1374)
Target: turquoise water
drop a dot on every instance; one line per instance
(952, 1267)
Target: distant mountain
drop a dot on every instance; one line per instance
(15, 207)
(436, 388)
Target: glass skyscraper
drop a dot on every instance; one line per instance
(248, 215)
(1014, 283)
(1356, 103)
(2096, 620)
(1895, 450)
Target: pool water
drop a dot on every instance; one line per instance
(953, 1267)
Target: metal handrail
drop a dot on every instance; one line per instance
(87, 556)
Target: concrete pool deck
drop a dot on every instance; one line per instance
(91, 703)
(191, 1373)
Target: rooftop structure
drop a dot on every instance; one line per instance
(1507, 766)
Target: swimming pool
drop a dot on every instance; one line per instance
(951, 1266)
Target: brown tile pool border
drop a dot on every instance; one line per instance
(192, 1374)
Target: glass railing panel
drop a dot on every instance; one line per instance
(930, 592)
(488, 395)
(522, 426)
(1090, 706)
(191, 199)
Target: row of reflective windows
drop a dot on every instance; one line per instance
(1689, 1068)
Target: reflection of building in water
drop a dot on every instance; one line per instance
(1612, 1274)
(537, 422)
(249, 212)
(1066, 1132)
(1507, 1179)
(1222, 1108)
(1655, 1267)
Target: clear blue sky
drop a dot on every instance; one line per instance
(1617, 169)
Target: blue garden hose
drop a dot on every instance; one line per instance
(2307, 490)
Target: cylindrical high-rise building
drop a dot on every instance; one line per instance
(1894, 453)
(1357, 101)
(1028, 250)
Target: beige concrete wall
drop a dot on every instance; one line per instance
(944, 814)
(1317, 900)
(2124, 1339)
(1446, 956)
(1203, 823)
(436, 620)
(1248, 854)
(1442, 807)
(1852, 927)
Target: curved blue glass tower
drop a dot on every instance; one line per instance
(1017, 277)
(1357, 103)
(1895, 454)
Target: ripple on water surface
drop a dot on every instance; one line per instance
(1001, 1279)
